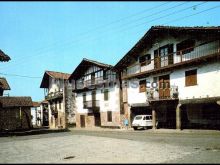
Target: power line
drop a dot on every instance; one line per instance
(191, 15)
(120, 26)
(176, 12)
(108, 24)
(162, 24)
(16, 75)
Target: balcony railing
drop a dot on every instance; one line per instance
(54, 95)
(166, 93)
(181, 56)
(91, 104)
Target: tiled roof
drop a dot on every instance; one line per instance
(15, 101)
(36, 104)
(3, 56)
(56, 75)
(86, 63)
(4, 84)
(97, 63)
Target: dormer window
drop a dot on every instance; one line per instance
(145, 60)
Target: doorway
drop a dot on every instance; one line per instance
(97, 119)
(82, 121)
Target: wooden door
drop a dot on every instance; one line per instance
(164, 87)
(97, 119)
(82, 121)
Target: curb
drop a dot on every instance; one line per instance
(32, 132)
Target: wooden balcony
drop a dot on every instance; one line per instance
(190, 55)
(54, 95)
(154, 94)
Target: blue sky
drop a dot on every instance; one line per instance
(41, 36)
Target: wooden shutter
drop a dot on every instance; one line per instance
(156, 59)
(191, 77)
(142, 86)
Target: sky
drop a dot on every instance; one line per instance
(56, 36)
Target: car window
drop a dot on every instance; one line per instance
(144, 118)
(138, 117)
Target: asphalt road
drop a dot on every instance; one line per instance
(112, 146)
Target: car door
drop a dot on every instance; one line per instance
(148, 121)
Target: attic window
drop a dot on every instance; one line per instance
(185, 46)
(145, 60)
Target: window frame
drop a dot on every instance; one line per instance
(191, 77)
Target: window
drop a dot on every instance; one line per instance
(191, 77)
(84, 100)
(145, 60)
(185, 46)
(106, 94)
(142, 86)
(104, 75)
(164, 56)
(109, 116)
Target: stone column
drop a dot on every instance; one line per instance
(154, 116)
(178, 117)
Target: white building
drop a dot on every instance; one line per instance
(97, 95)
(53, 84)
(174, 73)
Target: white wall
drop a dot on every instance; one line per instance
(112, 104)
(208, 80)
(55, 85)
(133, 94)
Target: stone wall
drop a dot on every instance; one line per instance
(10, 118)
(89, 120)
(115, 119)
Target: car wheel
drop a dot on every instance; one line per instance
(135, 128)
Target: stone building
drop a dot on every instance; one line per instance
(55, 86)
(15, 113)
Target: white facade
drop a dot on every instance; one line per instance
(97, 97)
(112, 104)
(207, 74)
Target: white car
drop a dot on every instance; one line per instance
(143, 121)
